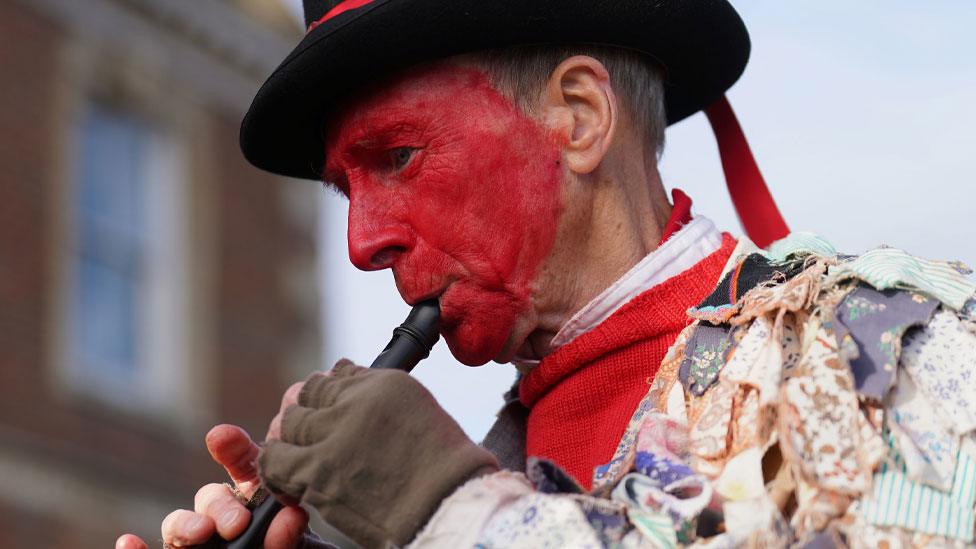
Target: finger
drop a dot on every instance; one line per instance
(289, 399)
(342, 364)
(233, 448)
(274, 430)
(217, 502)
(182, 528)
(129, 541)
(286, 529)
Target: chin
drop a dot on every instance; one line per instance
(478, 341)
(470, 348)
(479, 326)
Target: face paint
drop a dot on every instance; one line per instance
(456, 190)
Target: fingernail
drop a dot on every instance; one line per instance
(230, 517)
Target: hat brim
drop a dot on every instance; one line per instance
(702, 44)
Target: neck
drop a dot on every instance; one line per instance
(613, 218)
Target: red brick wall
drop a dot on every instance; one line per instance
(29, 153)
(27, 129)
(257, 243)
(90, 442)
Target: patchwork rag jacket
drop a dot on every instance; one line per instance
(810, 399)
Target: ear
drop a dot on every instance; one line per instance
(579, 103)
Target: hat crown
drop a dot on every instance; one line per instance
(703, 44)
(316, 9)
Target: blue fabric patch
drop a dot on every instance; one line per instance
(876, 321)
(548, 478)
(661, 470)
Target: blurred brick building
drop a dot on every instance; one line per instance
(151, 282)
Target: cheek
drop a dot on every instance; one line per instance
(514, 202)
(497, 218)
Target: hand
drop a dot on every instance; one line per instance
(216, 509)
(372, 451)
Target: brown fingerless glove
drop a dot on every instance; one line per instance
(373, 452)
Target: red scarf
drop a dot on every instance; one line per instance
(582, 396)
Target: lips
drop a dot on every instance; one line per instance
(412, 296)
(415, 298)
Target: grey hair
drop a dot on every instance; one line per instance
(521, 73)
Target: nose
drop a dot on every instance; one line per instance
(376, 241)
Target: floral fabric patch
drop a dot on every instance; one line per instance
(941, 361)
(539, 520)
(876, 321)
(662, 449)
(925, 440)
(822, 424)
(760, 358)
(607, 518)
(705, 354)
(710, 429)
(681, 501)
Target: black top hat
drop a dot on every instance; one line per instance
(702, 44)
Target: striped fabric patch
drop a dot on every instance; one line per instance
(886, 268)
(897, 501)
(798, 243)
(655, 527)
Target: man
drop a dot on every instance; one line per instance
(520, 187)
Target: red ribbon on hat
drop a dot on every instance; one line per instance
(341, 7)
(753, 202)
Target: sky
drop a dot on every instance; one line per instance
(861, 116)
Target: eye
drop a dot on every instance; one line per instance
(400, 157)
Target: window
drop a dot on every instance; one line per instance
(110, 230)
(126, 287)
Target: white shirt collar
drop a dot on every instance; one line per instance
(691, 244)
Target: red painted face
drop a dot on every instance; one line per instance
(456, 190)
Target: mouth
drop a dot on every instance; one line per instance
(437, 288)
(413, 298)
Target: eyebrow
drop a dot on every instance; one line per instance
(379, 127)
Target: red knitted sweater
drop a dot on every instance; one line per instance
(582, 396)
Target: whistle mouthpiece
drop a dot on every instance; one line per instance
(413, 340)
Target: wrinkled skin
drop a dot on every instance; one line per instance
(457, 191)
